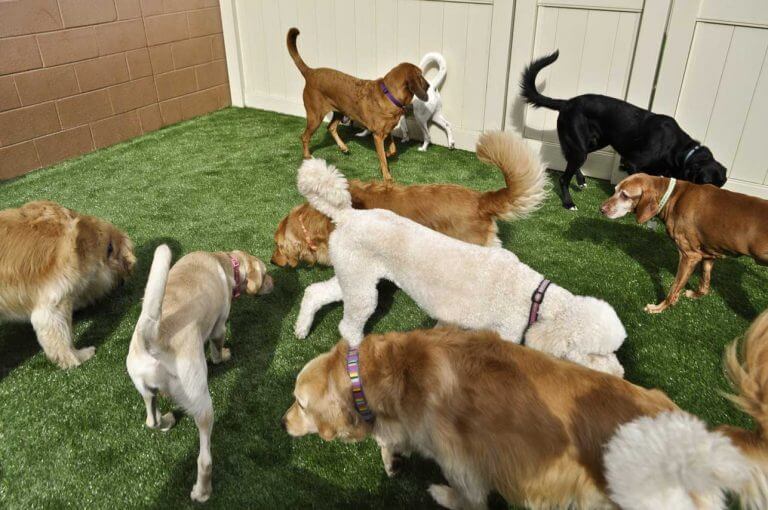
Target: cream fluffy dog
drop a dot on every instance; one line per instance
(53, 261)
(183, 308)
(455, 282)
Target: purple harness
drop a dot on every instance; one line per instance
(392, 99)
(358, 395)
(536, 299)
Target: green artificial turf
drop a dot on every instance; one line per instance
(76, 438)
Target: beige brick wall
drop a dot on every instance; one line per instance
(78, 75)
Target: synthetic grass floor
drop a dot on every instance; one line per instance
(76, 438)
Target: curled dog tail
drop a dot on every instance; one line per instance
(293, 34)
(149, 321)
(528, 84)
(442, 67)
(324, 187)
(672, 461)
(523, 172)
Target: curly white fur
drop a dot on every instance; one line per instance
(454, 282)
(672, 461)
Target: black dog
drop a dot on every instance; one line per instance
(647, 142)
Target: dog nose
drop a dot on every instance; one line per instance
(604, 209)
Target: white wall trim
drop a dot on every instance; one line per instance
(232, 50)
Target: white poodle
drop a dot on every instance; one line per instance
(455, 282)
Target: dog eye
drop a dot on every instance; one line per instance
(110, 249)
(623, 194)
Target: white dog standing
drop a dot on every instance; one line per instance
(167, 351)
(430, 110)
(454, 282)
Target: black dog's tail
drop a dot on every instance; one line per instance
(528, 84)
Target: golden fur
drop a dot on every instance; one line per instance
(328, 90)
(456, 211)
(54, 261)
(497, 416)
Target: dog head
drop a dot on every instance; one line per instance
(292, 244)
(102, 242)
(412, 77)
(702, 168)
(257, 281)
(323, 401)
(638, 193)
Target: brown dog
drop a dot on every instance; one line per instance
(455, 211)
(364, 101)
(54, 261)
(705, 222)
(497, 416)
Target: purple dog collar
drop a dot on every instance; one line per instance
(358, 395)
(392, 99)
(536, 299)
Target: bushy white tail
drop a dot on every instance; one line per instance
(672, 461)
(324, 187)
(442, 68)
(523, 171)
(151, 309)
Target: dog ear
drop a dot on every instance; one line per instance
(418, 85)
(253, 275)
(647, 206)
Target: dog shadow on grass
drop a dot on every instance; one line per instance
(18, 342)
(347, 134)
(656, 252)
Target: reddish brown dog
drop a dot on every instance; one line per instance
(329, 90)
(705, 222)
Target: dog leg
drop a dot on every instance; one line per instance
(403, 125)
(315, 297)
(363, 133)
(219, 353)
(359, 304)
(580, 179)
(392, 151)
(448, 497)
(313, 122)
(424, 133)
(154, 419)
(685, 268)
(706, 278)
(333, 129)
(391, 459)
(53, 327)
(203, 487)
(574, 164)
(378, 140)
(439, 119)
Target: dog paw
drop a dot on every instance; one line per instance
(394, 466)
(694, 294)
(405, 139)
(444, 495)
(422, 149)
(572, 208)
(200, 494)
(85, 354)
(167, 421)
(649, 308)
(452, 145)
(583, 185)
(301, 330)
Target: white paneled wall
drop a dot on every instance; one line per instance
(712, 76)
(366, 38)
(724, 98)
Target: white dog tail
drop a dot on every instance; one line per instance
(324, 187)
(442, 67)
(523, 172)
(149, 321)
(672, 461)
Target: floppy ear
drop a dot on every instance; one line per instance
(126, 256)
(418, 85)
(647, 206)
(253, 276)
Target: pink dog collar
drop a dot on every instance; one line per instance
(536, 300)
(236, 270)
(358, 395)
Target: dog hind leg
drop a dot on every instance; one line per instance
(359, 304)
(315, 297)
(314, 120)
(706, 278)
(219, 353)
(203, 486)
(53, 327)
(448, 497)
(441, 121)
(154, 419)
(574, 164)
(424, 133)
(333, 129)
(403, 125)
(685, 268)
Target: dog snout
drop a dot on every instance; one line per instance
(605, 208)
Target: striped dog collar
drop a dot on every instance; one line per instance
(536, 300)
(358, 395)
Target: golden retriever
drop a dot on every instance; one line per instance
(455, 211)
(497, 416)
(53, 261)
